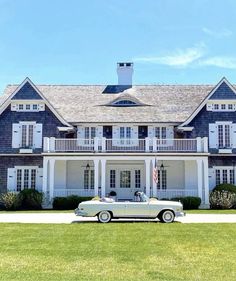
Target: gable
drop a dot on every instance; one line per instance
(26, 92)
(223, 92)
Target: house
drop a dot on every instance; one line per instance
(91, 140)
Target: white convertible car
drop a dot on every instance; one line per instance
(106, 209)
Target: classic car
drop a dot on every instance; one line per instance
(106, 209)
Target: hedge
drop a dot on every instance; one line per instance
(68, 203)
(189, 202)
(225, 187)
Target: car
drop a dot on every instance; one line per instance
(106, 209)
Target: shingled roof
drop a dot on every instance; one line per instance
(162, 103)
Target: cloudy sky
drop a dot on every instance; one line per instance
(79, 41)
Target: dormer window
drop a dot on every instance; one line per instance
(125, 103)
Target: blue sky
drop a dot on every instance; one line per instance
(79, 41)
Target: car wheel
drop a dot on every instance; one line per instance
(167, 216)
(104, 216)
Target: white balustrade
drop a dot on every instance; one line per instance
(172, 193)
(125, 145)
(78, 192)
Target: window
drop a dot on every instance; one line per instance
(88, 179)
(160, 132)
(223, 106)
(224, 135)
(89, 134)
(35, 107)
(25, 178)
(162, 179)
(112, 178)
(137, 178)
(224, 175)
(27, 135)
(21, 107)
(230, 106)
(125, 179)
(125, 103)
(125, 135)
(216, 106)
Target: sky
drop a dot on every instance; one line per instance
(80, 42)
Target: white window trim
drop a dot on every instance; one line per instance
(15, 106)
(27, 123)
(211, 106)
(22, 168)
(228, 168)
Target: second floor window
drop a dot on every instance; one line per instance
(125, 132)
(160, 132)
(224, 135)
(89, 132)
(27, 135)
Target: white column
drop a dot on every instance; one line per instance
(206, 180)
(96, 172)
(199, 177)
(147, 166)
(103, 177)
(45, 176)
(51, 177)
(154, 184)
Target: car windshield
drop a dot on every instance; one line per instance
(144, 197)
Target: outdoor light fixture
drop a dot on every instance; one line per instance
(162, 167)
(88, 167)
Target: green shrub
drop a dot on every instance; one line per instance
(68, 203)
(225, 187)
(10, 201)
(189, 202)
(222, 199)
(30, 199)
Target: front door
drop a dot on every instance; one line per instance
(125, 190)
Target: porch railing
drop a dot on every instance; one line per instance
(125, 145)
(68, 192)
(172, 193)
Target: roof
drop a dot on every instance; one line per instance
(85, 103)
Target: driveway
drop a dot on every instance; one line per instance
(68, 218)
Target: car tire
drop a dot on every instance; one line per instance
(104, 216)
(166, 216)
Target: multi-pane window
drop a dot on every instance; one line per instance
(89, 134)
(160, 132)
(224, 135)
(137, 178)
(125, 179)
(125, 135)
(27, 135)
(224, 175)
(88, 179)
(25, 178)
(162, 179)
(112, 178)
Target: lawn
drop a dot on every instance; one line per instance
(118, 251)
(231, 211)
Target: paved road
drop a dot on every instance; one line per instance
(68, 218)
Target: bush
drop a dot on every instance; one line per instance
(222, 199)
(30, 199)
(10, 201)
(225, 187)
(68, 203)
(189, 202)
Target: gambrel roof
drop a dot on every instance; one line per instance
(88, 104)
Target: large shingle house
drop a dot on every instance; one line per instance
(91, 140)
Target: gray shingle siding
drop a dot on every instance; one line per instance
(8, 117)
(12, 161)
(223, 93)
(221, 161)
(27, 92)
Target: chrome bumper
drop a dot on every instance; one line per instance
(180, 214)
(81, 213)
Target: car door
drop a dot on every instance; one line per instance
(137, 209)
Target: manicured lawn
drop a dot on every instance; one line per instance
(232, 211)
(118, 251)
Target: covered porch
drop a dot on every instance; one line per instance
(123, 175)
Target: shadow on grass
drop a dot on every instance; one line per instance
(123, 221)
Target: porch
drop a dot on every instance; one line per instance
(122, 176)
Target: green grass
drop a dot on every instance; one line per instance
(118, 251)
(231, 211)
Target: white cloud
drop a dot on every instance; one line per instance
(222, 62)
(180, 58)
(217, 34)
